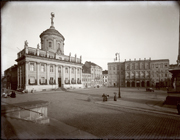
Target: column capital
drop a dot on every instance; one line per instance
(26, 62)
(38, 63)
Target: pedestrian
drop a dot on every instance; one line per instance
(13, 94)
(115, 97)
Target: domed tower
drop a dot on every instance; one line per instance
(52, 40)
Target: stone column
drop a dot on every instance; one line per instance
(26, 71)
(18, 75)
(20, 70)
(75, 75)
(81, 75)
(63, 74)
(70, 75)
(56, 75)
(47, 73)
(37, 72)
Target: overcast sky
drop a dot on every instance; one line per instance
(95, 30)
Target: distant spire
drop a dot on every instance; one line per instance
(52, 22)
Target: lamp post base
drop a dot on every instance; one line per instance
(119, 95)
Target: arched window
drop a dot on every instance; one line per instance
(50, 44)
(59, 45)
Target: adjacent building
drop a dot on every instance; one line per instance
(116, 70)
(86, 80)
(139, 73)
(10, 78)
(95, 71)
(105, 77)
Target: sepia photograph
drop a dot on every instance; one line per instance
(90, 70)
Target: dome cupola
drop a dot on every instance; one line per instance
(52, 40)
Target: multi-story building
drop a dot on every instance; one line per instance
(10, 75)
(95, 71)
(139, 73)
(86, 80)
(160, 72)
(114, 69)
(105, 77)
(48, 67)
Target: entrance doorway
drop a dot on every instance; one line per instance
(59, 82)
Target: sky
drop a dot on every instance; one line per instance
(94, 30)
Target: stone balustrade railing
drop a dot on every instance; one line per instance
(47, 54)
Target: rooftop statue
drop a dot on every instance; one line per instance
(25, 43)
(52, 22)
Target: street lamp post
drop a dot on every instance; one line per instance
(118, 55)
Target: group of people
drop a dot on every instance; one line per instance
(10, 94)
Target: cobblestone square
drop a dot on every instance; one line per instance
(138, 115)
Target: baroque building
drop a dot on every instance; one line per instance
(95, 71)
(105, 77)
(48, 67)
(138, 73)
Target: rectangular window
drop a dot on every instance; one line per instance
(32, 80)
(51, 80)
(31, 66)
(66, 70)
(72, 70)
(42, 80)
(152, 65)
(51, 68)
(42, 68)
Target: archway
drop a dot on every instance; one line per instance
(133, 84)
(142, 84)
(128, 84)
(148, 83)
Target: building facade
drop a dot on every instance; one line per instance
(10, 78)
(48, 67)
(96, 73)
(139, 73)
(86, 80)
(160, 73)
(105, 77)
(116, 70)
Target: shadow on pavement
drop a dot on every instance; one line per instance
(7, 130)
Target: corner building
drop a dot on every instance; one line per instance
(48, 68)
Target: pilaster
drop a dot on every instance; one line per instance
(26, 71)
(37, 72)
(47, 74)
(70, 75)
(56, 75)
(75, 75)
(81, 75)
(63, 69)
